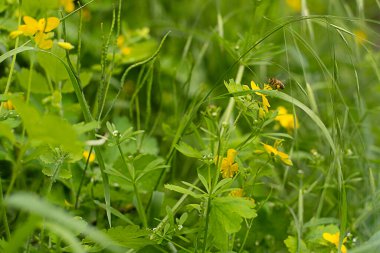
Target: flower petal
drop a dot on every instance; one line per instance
(65, 45)
(52, 23)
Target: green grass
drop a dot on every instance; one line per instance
(160, 94)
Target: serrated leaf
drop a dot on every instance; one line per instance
(229, 211)
(64, 173)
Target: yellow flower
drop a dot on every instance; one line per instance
(273, 151)
(8, 105)
(237, 193)
(286, 119)
(65, 45)
(126, 50)
(41, 30)
(334, 239)
(228, 168)
(263, 97)
(120, 41)
(90, 157)
(360, 36)
(294, 4)
(68, 5)
(43, 40)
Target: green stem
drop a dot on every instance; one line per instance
(3, 211)
(131, 169)
(82, 179)
(207, 221)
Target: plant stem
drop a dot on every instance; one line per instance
(3, 211)
(207, 221)
(82, 179)
(131, 169)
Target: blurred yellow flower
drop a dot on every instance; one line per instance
(228, 167)
(90, 157)
(334, 238)
(41, 30)
(237, 193)
(126, 50)
(294, 4)
(68, 5)
(360, 36)
(8, 105)
(263, 97)
(286, 120)
(65, 45)
(273, 151)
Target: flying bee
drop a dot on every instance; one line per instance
(276, 84)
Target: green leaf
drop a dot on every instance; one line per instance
(226, 216)
(39, 83)
(14, 52)
(48, 129)
(229, 211)
(187, 150)
(64, 173)
(291, 244)
(182, 190)
(6, 131)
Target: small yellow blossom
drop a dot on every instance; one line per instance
(41, 30)
(360, 36)
(334, 239)
(90, 157)
(266, 104)
(65, 45)
(286, 119)
(273, 151)
(68, 5)
(228, 167)
(294, 4)
(126, 50)
(237, 193)
(8, 105)
(120, 41)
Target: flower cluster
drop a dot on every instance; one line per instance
(264, 105)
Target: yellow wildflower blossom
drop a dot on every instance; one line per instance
(237, 193)
(68, 5)
(273, 151)
(41, 30)
(228, 167)
(126, 50)
(334, 239)
(294, 4)
(266, 104)
(65, 45)
(90, 157)
(120, 41)
(286, 119)
(8, 105)
(360, 36)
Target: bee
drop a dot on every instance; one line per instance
(276, 84)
